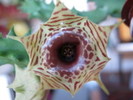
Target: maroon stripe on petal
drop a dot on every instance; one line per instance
(58, 4)
(102, 31)
(32, 59)
(40, 68)
(36, 61)
(67, 15)
(96, 39)
(98, 35)
(75, 85)
(54, 18)
(63, 9)
(74, 21)
(66, 87)
(102, 63)
(64, 19)
(51, 25)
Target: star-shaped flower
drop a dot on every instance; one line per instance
(67, 51)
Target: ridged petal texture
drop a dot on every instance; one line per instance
(67, 51)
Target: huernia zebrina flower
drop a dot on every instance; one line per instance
(67, 51)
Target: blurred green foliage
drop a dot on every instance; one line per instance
(113, 7)
(104, 8)
(12, 52)
(39, 9)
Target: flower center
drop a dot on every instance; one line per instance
(67, 52)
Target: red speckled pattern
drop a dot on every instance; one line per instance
(90, 56)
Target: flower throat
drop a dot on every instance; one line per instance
(67, 52)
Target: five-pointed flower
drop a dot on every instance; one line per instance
(67, 51)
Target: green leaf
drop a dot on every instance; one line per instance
(12, 52)
(113, 6)
(37, 9)
(11, 60)
(101, 13)
(5, 60)
(104, 9)
(30, 6)
(11, 32)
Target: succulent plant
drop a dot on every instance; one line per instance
(12, 52)
(65, 53)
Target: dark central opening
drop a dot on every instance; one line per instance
(67, 52)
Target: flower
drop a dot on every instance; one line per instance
(67, 51)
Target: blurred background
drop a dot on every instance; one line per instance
(26, 16)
